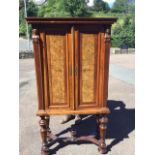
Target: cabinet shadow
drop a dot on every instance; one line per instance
(121, 123)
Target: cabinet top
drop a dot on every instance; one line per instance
(73, 20)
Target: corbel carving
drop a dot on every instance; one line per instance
(107, 35)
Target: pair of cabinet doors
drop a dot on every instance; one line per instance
(75, 67)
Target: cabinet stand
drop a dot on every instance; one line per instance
(48, 139)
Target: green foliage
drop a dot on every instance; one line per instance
(76, 7)
(131, 8)
(100, 5)
(21, 23)
(63, 8)
(53, 8)
(123, 6)
(32, 10)
(120, 6)
(22, 29)
(21, 4)
(123, 33)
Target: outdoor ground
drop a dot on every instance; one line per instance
(121, 126)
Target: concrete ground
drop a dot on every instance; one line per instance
(120, 132)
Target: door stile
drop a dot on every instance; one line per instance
(98, 69)
(102, 54)
(106, 63)
(66, 69)
(72, 67)
(45, 71)
(77, 69)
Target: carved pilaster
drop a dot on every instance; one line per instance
(102, 128)
(38, 66)
(107, 41)
(43, 132)
(35, 35)
(107, 35)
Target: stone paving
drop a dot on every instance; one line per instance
(122, 73)
(120, 133)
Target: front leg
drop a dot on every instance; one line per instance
(102, 128)
(97, 127)
(43, 132)
(48, 123)
(50, 135)
(48, 128)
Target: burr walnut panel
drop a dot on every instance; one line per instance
(87, 68)
(56, 68)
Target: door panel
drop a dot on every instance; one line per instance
(56, 60)
(87, 68)
(59, 53)
(88, 47)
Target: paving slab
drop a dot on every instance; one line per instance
(122, 73)
(124, 60)
(120, 132)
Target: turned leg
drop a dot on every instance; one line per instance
(43, 131)
(97, 127)
(48, 123)
(78, 119)
(102, 128)
(97, 119)
(73, 133)
(49, 138)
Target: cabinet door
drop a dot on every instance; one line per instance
(58, 56)
(87, 49)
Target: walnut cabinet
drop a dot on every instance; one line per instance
(72, 62)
